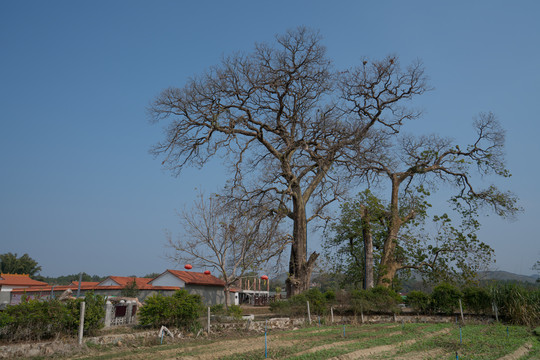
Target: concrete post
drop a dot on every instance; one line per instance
(461, 311)
(308, 313)
(81, 322)
(108, 313)
(129, 310)
(208, 320)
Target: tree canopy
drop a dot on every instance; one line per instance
(409, 164)
(11, 264)
(289, 125)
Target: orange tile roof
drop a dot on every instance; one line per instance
(60, 288)
(197, 278)
(19, 280)
(85, 283)
(126, 280)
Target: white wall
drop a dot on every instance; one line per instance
(109, 282)
(167, 279)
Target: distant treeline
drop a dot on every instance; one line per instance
(67, 279)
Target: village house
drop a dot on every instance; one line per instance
(210, 288)
(9, 282)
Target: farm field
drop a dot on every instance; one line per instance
(375, 341)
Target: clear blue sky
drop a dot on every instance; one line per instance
(78, 189)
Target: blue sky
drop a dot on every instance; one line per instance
(78, 188)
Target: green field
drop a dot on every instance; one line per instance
(376, 341)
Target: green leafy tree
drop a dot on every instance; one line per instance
(444, 252)
(409, 162)
(11, 264)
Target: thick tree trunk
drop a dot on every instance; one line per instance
(300, 268)
(389, 265)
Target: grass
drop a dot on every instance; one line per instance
(478, 342)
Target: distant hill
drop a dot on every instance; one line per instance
(507, 276)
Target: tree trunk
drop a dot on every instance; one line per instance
(300, 268)
(227, 296)
(389, 265)
(368, 248)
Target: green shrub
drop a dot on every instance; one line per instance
(477, 300)
(297, 305)
(317, 301)
(35, 320)
(384, 299)
(181, 310)
(235, 311)
(94, 313)
(376, 299)
(445, 298)
(217, 309)
(282, 307)
(330, 296)
(419, 301)
(360, 301)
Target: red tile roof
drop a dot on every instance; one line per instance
(85, 283)
(19, 280)
(197, 278)
(126, 280)
(60, 288)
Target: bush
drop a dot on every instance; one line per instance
(235, 311)
(217, 309)
(445, 298)
(419, 301)
(477, 300)
(376, 299)
(180, 310)
(94, 313)
(35, 320)
(297, 305)
(317, 301)
(282, 307)
(330, 296)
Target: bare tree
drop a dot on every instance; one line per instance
(288, 124)
(229, 237)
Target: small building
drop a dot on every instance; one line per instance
(10, 282)
(210, 288)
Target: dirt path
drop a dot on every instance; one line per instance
(363, 353)
(437, 353)
(212, 350)
(332, 345)
(522, 351)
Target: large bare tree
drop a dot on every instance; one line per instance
(230, 237)
(288, 124)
